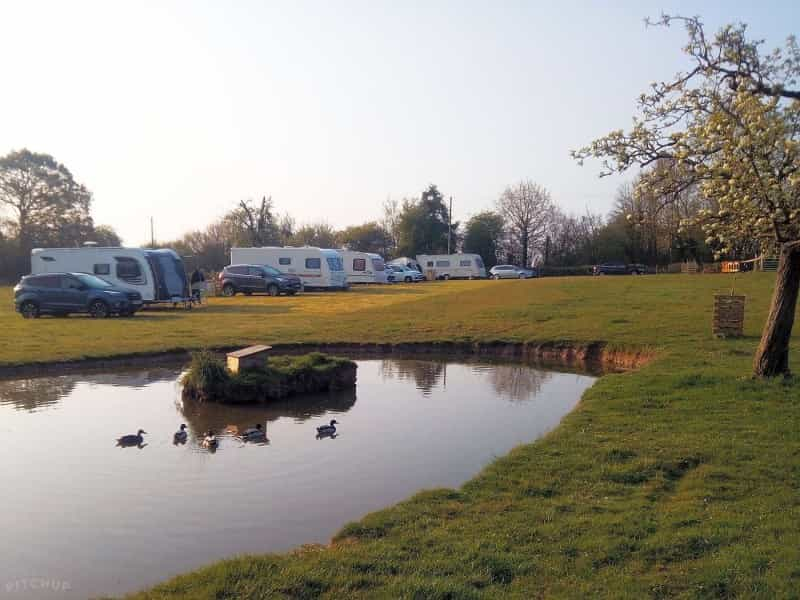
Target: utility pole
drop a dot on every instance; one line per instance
(449, 224)
(152, 234)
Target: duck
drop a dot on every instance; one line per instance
(132, 439)
(328, 429)
(210, 441)
(180, 435)
(254, 434)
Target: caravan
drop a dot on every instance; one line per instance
(316, 268)
(158, 275)
(363, 267)
(452, 266)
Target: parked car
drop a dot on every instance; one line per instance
(619, 269)
(406, 274)
(511, 272)
(61, 294)
(250, 279)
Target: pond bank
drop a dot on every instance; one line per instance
(597, 355)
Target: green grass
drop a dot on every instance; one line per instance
(681, 479)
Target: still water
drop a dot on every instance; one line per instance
(82, 517)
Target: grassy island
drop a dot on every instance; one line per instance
(209, 379)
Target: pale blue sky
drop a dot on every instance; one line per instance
(179, 109)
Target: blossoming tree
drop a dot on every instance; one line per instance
(730, 128)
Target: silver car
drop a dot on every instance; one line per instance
(511, 272)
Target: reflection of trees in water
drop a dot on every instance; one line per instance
(202, 416)
(426, 374)
(516, 382)
(39, 392)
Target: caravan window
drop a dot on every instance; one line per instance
(359, 264)
(465, 263)
(442, 263)
(102, 269)
(430, 263)
(48, 258)
(129, 270)
(335, 263)
(313, 263)
(377, 264)
(284, 260)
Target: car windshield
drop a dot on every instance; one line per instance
(93, 281)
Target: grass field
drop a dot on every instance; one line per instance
(681, 479)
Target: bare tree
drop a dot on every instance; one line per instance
(528, 211)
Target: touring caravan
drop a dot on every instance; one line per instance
(316, 268)
(405, 261)
(363, 267)
(158, 275)
(452, 266)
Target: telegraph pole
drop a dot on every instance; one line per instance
(449, 224)
(152, 234)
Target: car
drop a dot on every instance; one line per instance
(61, 294)
(619, 269)
(511, 272)
(389, 273)
(250, 279)
(406, 274)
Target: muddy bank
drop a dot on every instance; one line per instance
(593, 356)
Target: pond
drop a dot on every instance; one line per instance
(84, 518)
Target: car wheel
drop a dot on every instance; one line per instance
(228, 290)
(408, 279)
(99, 310)
(273, 290)
(446, 277)
(29, 310)
(522, 275)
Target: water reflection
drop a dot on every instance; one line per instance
(515, 382)
(37, 393)
(230, 419)
(426, 374)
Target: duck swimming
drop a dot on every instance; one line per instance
(254, 434)
(131, 439)
(328, 429)
(180, 435)
(210, 441)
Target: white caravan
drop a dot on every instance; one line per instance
(158, 275)
(452, 266)
(363, 267)
(316, 268)
(405, 261)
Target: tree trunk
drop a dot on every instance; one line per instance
(772, 356)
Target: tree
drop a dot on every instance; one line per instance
(483, 235)
(731, 127)
(319, 234)
(104, 235)
(369, 237)
(48, 206)
(423, 225)
(258, 221)
(528, 211)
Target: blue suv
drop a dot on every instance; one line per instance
(60, 294)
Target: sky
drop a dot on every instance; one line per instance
(177, 110)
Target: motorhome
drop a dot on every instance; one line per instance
(158, 275)
(452, 266)
(363, 267)
(317, 268)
